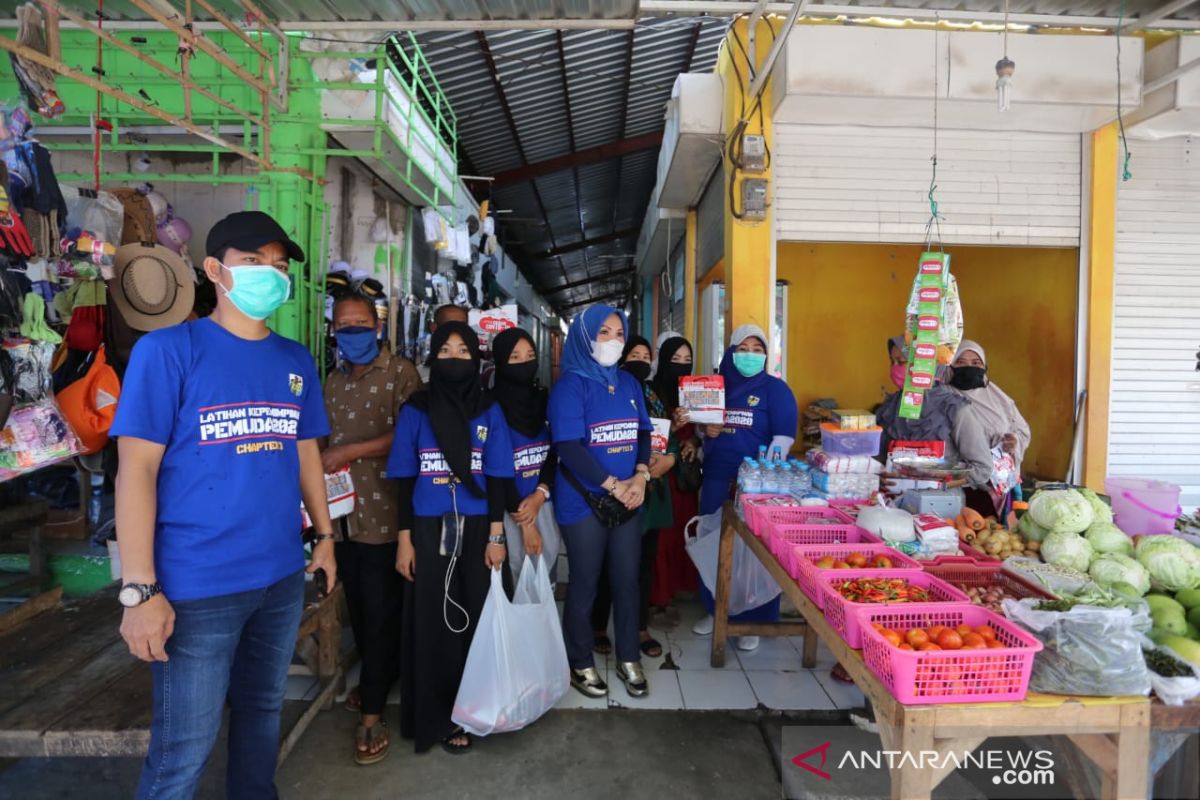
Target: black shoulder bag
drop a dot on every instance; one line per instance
(610, 511)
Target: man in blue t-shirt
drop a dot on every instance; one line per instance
(218, 426)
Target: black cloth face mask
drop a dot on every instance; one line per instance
(638, 369)
(968, 378)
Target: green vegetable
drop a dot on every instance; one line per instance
(1161, 601)
(1186, 649)
(1114, 568)
(1061, 511)
(1067, 550)
(1166, 665)
(1031, 530)
(1104, 537)
(1192, 632)
(1174, 564)
(1193, 616)
(1169, 621)
(1101, 510)
(1188, 598)
(1158, 635)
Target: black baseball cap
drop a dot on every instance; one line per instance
(248, 231)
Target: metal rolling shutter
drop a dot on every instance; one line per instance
(855, 184)
(1154, 421)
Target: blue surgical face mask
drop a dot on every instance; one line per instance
(357, 345)
(749, 364)
(257, 289)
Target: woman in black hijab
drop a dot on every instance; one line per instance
(529, 522)
(451, 455)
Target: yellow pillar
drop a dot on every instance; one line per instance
(689, 277)
(1102, 248)
(749, 245)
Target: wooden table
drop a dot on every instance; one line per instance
(723, 628)
(71, 688)
(1114, 733)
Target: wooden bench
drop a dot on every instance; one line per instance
(71, 688)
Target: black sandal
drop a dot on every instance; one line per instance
(457, 749)
(651, 648)
(601, 644)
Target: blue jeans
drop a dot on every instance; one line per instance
(235, 647)
(590, 548)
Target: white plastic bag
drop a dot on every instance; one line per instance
(551, 540)
(1175, 691)
(516, 669)
(750, 586)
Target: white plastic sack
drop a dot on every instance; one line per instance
(750, 585)
(1175, 691)
(551, 540)
(516, 669)
(1087, 650)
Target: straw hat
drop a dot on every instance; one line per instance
(152, 286)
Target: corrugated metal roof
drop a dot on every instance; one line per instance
(1073, 8)
(568, 91)
(400, 11)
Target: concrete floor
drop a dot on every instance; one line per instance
(624, 754)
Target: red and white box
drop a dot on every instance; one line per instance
(339, 488)
(660, 436)
(704, 398)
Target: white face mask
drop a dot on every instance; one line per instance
(608, 353)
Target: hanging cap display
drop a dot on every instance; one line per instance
(152, 287)
(248, 231)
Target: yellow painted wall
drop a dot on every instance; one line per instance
(845, 300)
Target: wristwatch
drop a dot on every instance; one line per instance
(545, 492)
(645, 473)
(133, 595)
(322, 537)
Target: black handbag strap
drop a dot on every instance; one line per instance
(571, 479)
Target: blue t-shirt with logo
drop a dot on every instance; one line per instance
(416, 454)
(755, 412)
(583, 410)
(529, 456)
(229, 412)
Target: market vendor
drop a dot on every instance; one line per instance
(760, 410)
(946, 416)
(1002, 422)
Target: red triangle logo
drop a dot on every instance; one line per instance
(801, 760)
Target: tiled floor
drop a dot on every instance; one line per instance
(771, 675)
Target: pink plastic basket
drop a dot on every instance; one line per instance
(965, 571)
(781, 538)
(801, 564)
(842, 615)
(754, 504)
(775, 516)
(948, 676)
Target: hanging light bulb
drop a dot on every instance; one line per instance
(1004, 73)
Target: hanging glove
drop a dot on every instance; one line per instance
(13, 236)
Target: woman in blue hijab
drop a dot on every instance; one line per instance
(599, 425)
(760, 410)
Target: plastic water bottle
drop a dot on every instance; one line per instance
(776, 455)
(750, 477)
(762, 454)
(771, 479)
(787, 479)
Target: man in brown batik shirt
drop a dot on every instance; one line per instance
(362, 398)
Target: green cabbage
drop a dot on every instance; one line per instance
(1061, 511)
(1067, 550)
(1102, 510)
(1115, 568)
(1030, 529)
(1174, 564)
(1104, 537)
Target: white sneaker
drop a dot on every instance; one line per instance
(745, 643)
(704, 627)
